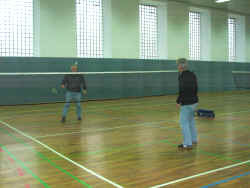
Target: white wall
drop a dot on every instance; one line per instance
(177, 30)
(248, 39)
(125, 29)
(57, 31)
(57, 28)
(219, 37)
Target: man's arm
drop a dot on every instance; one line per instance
(64, 81)
(178, 100)
(182, 87)
(83, 83)
(196, 84)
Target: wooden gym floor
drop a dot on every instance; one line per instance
(130, 143)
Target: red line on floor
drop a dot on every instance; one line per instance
(20, 172)
(11, 160)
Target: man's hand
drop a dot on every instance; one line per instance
(178, 105)
(84, 92)
(62, 86)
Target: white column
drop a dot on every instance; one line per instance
(107, 33)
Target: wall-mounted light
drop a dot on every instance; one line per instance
(222, 1)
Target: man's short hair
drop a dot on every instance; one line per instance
(182, 62)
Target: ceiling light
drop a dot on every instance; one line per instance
(222, 1)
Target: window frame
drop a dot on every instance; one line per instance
(146, 53)
(194, 51)
(90, 44)
(19, 30)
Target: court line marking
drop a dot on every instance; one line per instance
(174, 144)
(158, 141)
(134, 103)
(19, 140)
(200, 174)
(225, 113)
(107, 129)
(49, 112)
(226, 180)
(61, 155)
(22, 164)
(238, 112)
(128, 126)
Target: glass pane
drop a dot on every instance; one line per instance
(148, 32)
(16, 28)
(89, 19)
(232, 38)
(194, 35)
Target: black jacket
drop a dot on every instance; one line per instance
(188, 88)
(74, 82)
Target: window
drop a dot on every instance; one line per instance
(89, 19)
(148, 32)
(232, 38)
(194, 35)
(16, 28)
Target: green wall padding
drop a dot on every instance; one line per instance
(212, 77)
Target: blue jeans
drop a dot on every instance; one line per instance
(187, 122)
(76, 96)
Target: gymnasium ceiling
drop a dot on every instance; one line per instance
(237, 6)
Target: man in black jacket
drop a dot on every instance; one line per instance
(187, 101)
(75, 85)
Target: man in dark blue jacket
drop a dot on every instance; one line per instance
(75, 86)
(187, 101)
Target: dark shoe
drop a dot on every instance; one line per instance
(183, 147)
(79, 119)
(195, 143)
(63, 119)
